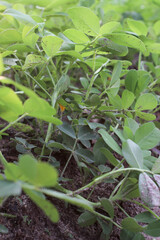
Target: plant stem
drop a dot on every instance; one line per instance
(107, 218)
(38, 84)
(139, 60)
(7, 215)
(144, 206)
(12, 123)
(48, 135)
(122, 209)
(3, 160)
(106, 175)
(71, 200)
(92, 79)
(64, 169)
(51, 76)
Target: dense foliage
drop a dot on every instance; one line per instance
(90, 70)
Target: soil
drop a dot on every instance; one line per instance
(30, 223)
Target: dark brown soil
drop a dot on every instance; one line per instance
(29, 222)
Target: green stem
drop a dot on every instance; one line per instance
(3, 160)
(71, 200)
(90, 43)
(12, 123)
(51, 76)
(38, 84)
(90, 86)
(7, 215)
(72, 152)
(92, 79)
(122, 209)
(48, 135)
(139, 60)
(116, 188)
(107, 175)
(107, 218)
(50, 126)
(144, 206)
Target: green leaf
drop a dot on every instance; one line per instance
(85, 154)
(157, 179)
(106, 227)
(56, 145)
(147, 136)
(5, 36)
(156, 27)
(22, 17)
(67, 129)
(153, 229)
(62, 84)
(99, 157)
(127, 99)
(127, 40)
(116, 101)
(146, 116)
(29, 37)
(137, 27)
(19, 47)
(110, 156)
(144, 78)
(110, 141)
(33, 60)
(86, 219)
(8, 188)
(154, 48)
(10, 104)
(156, 166)
(41, 109)
(132, 124)
(94, 125)
(94, 100)
(131, 225)
(127, 235)
(56, 4)
(149, 191)
(3, 229)
(133, 154)
(46, 175)
(72, 54)
(51, 45)
(127, 133)
(85, 20)
(106, 45)
(40, 174)
(144, 217)
(13, 172)
(26, 90)
(109, 27)
(28, 166)
(108, 207)
(85, 133)
(116, 73)
(76, 36)
(131, 80)
(47, 207)
(146, 101)
(1, 65)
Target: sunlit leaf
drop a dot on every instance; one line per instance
(51, 45)
(85, 20)
(133, 154)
